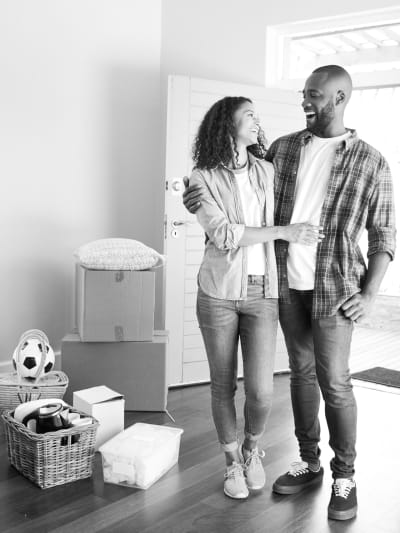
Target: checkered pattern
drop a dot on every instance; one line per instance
(359, 196)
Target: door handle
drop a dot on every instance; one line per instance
(177, 185)
(176, 223)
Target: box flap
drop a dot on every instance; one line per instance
(99, 394)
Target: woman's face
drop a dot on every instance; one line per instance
(247, 124)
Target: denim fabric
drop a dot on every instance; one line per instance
(319, 351)
(223, 271)
(222, 323)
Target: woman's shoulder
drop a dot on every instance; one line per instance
(197, 176)
(265, 165)
(204, 175)
(265, 168)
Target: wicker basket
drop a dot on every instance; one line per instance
(15, 389)
(53, 458)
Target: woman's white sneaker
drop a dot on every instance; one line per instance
(253, 468)
(235, 482)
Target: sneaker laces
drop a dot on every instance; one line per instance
(254, 457)
(342, 487)
(298, 468)
(235, 470)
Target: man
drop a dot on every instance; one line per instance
(326, 175)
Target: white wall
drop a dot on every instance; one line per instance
(80, 142)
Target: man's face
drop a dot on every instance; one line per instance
(319, 103)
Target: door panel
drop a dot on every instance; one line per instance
(188, 100)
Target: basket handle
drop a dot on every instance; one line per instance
(43, 340)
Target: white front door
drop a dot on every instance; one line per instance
(188, 100)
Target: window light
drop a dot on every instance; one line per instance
(389, 42)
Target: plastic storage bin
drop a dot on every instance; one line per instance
(140, 455)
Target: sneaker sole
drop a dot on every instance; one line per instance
(241, 497)
(342, 515)
(294, 489)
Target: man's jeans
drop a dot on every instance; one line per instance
(319, 351)
(222, 323)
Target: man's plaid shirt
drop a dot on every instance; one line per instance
(359, 196)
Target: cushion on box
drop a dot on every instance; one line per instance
(118, 254)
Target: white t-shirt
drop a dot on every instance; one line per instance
(313, 175)
(252, 217)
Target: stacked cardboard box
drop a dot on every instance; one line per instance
(115, 343)
(114, 305)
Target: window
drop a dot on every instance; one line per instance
(366, 44)
(367, 49)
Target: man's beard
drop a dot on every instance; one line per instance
(324, 117)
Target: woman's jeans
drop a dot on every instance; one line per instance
(319, 351)
(222, 323)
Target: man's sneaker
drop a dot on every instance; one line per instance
(235, 483)
(343, 504)
(253, 468)
(298, 478)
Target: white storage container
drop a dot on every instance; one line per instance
(140, 455)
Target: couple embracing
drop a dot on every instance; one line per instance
(282, 228)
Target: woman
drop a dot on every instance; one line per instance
(237, 296)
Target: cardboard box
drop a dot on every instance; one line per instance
(137, 369)
(104, 404)
(140, 455)
(114, 305)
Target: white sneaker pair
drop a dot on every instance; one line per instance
(249, 474)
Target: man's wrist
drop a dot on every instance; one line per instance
(369, 293)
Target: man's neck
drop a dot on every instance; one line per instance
(333, 130)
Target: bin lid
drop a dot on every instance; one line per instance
(141, 439)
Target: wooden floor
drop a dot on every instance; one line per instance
(189, 498)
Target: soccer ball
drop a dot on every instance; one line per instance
(28, 354)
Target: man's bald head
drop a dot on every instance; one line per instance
(338, 78)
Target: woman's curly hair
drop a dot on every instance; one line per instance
(215, 140)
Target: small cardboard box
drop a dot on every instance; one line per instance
(140, 455)
(104, 404)
(137, 369)
(114, 305)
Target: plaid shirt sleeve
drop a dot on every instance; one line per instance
(381, 215)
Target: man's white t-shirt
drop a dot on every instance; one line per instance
(252, 217)
(316, 159)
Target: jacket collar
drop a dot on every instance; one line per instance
(251, 160)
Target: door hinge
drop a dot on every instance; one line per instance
(166, 185)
